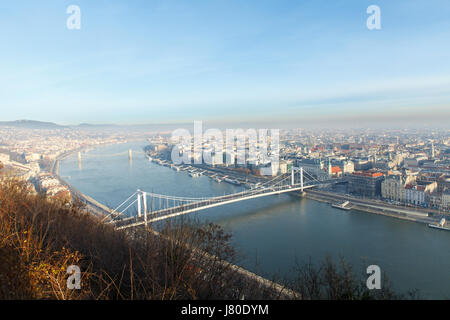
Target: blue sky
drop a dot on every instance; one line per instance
(176, 61)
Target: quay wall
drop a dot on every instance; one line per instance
(375, 208)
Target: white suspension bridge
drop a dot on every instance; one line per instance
(152, 207)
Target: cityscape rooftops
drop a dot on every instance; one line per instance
(369, 174)
(335, 170)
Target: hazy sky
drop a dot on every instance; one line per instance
(247, 60)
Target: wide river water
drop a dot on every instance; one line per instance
(274, 232)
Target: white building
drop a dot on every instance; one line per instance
(446, 201)
(393, 187)
(283, 167)
(30, 157)
(415, 195)
(4, 157)
(47, 183)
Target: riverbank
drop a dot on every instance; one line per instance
(92, 205)
(374, 207)
(101, 210)
(218, 173)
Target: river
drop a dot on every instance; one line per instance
(272, 233)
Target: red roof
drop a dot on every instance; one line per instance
(369, 174)
(335, 170)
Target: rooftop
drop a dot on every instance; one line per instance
(370, 174)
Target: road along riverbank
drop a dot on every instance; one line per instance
(371, 206)
(92, 205)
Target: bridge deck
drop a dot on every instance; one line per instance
(202, 205)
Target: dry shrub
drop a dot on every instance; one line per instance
(328, 280)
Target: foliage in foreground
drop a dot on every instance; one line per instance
(39, 239)
(337, 281)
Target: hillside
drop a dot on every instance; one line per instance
(30, 124)
(41, 238)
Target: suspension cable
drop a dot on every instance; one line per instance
(115, 210)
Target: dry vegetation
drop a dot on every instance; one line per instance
(39, 239)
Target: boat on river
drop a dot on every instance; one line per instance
(232, 181)
(442, 225)
(342, 206)
(194, 174)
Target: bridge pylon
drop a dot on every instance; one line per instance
(144, 200)
(293, 169)
(139, 195)
(142, 204)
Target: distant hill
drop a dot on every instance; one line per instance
(31, 124)
(89, 125)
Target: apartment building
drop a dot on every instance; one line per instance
(366, 183)
(393, 187)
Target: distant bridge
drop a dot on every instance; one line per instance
(152, 207)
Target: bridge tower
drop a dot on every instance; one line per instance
(139, 194)
(293, 176)
(144, 200)
(142, 204)
(301, 179)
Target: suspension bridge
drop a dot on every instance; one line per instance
(152, 207)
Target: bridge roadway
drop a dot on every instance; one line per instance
(205, 204)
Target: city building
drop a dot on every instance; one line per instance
(4, 158)
(336, 172)
(366, 183)
(445, 205)
(393, 187)
(283, 167)
(415, 193)
(362, 164)
(314, 167)
(443, 183)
